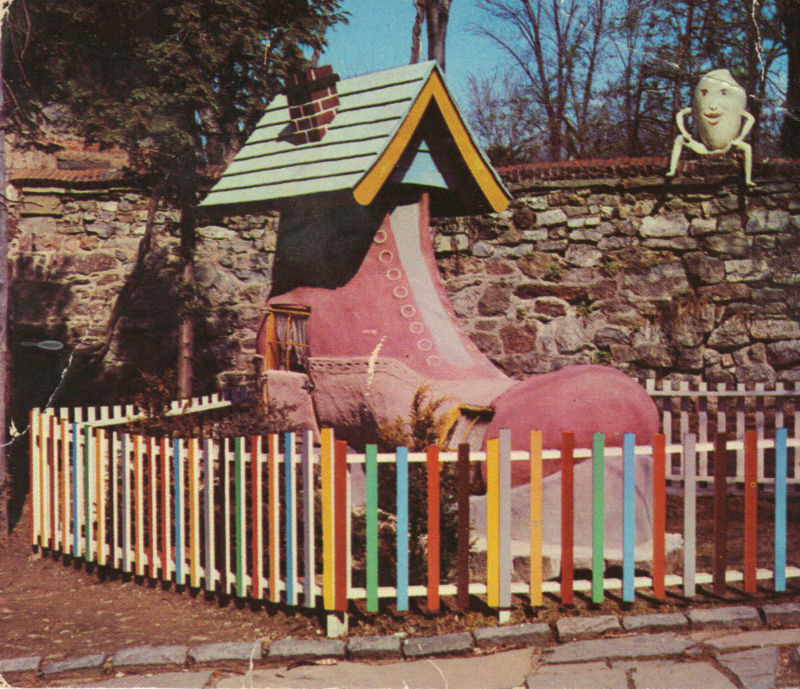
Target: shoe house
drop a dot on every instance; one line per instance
(357, 319)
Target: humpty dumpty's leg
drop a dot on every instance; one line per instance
(677, 147)
(747, 149)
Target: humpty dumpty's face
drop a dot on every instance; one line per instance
(719, 103)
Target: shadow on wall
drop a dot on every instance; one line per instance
(56, 303)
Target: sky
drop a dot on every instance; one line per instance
(378, 36)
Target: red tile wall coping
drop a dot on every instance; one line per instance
(588, 169)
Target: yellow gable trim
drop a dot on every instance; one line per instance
(369, 185)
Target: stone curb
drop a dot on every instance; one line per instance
(566, 630)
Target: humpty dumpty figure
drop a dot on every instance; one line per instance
(722, 121)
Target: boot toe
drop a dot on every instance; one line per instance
(581, 399)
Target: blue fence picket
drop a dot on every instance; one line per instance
(402, 527)
(628, 514)
(780, 509)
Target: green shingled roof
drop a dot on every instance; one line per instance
(372, 108)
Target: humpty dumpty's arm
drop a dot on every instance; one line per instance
(749, 121)
(683, 139)
(681, 125)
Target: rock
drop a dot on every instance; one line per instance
(551, 217)
(783, 354)
(637, 646)
(664, 226)
(705, 268)
(739, 270)
(150, 655)
(362, 647)
(654, 622)
(727, 245)
(575, 628)
(756, 668)
(305, 649)
(443, 644)
(731, 334)
(494, 301)
(528, 634)
(230, 650)
(519, 338)
(775, 329)
(87, 662)
(569, 335)
(782, 613)
(583, 255)
(738, 616)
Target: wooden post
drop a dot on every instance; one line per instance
(720, 513)
(535, 591)
(689, 514)
(780, 509)
(371, 508)
(462, 566)
(598, 517)
(659, 514)
(432, 470)
(750, 510)
(567, 517)
(628, 516)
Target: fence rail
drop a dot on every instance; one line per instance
(241, 515)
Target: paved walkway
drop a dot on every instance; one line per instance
(721, 648)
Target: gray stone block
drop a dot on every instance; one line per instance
(88, 662)
(151, 655)
(301, 649)
(527, 633)
(230, 650)
(765, 637)
(638, 646)
(26, 664)
(374, 647)
(577, 675)
(738, 616)
(756, 668)
(782, 613)
(437, 645)
(654, 622)
(576, 628)
(662, 674)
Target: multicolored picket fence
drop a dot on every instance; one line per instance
(270, 517)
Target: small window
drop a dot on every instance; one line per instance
(287, 337)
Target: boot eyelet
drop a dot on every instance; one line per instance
(408, 310)
(416, 327)
(425, 345)
(401, 291)
(385, 256)
(393, 274)
(380, 236)
(433, 360)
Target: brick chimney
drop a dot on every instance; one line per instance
(313, 103)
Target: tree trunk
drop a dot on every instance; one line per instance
(419, 5)
(186, 327)
(437, 13)
(5, 476)
(790, 130)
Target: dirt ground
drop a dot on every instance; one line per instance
(57, 608)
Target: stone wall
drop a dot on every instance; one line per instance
(73, 259)
(610, 266)
(696, 281)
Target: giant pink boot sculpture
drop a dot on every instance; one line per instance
(380, 327)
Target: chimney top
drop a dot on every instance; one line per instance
(313, 103)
